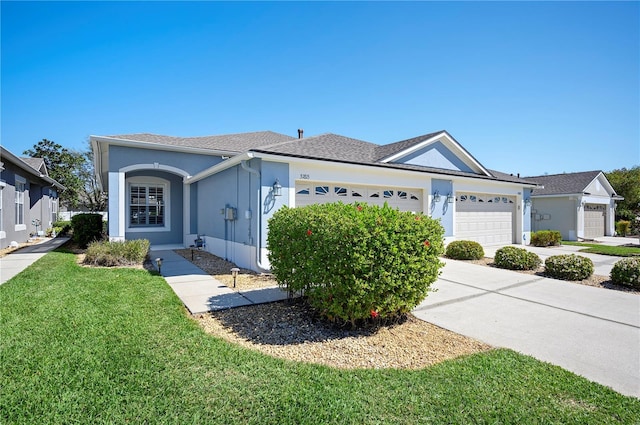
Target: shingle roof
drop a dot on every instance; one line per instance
(385, 151)
(561, 184)
(35, 163)
(239, 142)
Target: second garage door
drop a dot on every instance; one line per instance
(486, 219)
(594, 216)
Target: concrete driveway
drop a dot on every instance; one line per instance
(593, 332)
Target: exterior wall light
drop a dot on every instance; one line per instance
(436, 196)
(234, 273)
(277, 188)
(527, 202)
(449, 198)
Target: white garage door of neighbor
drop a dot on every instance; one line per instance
(308, 193)
(594, 217)
(486, 219)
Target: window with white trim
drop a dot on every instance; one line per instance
(147, 205)
(19, 200)
(54, 209)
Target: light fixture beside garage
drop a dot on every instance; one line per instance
(277, 188)
(527, 202)
(436, 196)
(449, 198)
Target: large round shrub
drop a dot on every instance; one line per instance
(627, 272)
(355, 261)
(546, 238)
(514, 258)
(568, 267)
(464, 250)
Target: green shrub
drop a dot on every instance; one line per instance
(627, 272)
(464, 250)
(546, 238)
(622, 227)
(568, 267)
(86, 228)
(355, 261)
(514, 258)
(109, 254)
(61, 227)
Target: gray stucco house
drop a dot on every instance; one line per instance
(225, 188)
(28, 196)
(579, 205)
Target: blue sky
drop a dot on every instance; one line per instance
(526, 87)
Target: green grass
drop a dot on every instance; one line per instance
(618, 251)
(82, 345)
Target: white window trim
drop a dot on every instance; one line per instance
(22, 180)
(167, 204)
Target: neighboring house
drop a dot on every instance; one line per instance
(224, 189)
(28, 198)
(579, 205)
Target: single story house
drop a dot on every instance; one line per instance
(223, 189)
(28, 198)
(579, 205)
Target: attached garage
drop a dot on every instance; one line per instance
(594, 220)
(486, 219)
(405, 199)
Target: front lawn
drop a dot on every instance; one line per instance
(618, 251)
(82, 345)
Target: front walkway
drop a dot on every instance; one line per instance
(17, 261)
(201, 292)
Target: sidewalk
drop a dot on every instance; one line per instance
(201, 292)
(17, 261)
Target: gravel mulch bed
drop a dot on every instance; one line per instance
(594, 280)
(291, 330)
(221, 270)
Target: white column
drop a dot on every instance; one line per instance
(186, 213)
(117, 206)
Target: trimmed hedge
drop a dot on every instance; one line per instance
(109, 254)
(546, 238)
(568, 267)
(355, 261)
(623, 227)
(464, 250)
(514, 258)
(626, 272)
(86, 228)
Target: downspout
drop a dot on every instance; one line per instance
(255, 172)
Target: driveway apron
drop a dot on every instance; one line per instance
(593, 332)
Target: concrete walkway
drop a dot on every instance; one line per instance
(17, 261)
(593, 332)
(200, 292)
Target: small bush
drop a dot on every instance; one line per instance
(86, 228)
(623, 227)
(61, 227)
(627, 272)
(514, 258)
(464, 250)
(109, 254)
(568, 267)
(355, 262)
(546, 238)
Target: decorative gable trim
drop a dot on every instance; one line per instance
(450, 143)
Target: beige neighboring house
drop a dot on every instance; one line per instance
(579, 205)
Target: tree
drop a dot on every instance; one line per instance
(626, 182)
(64, 166)
(92, 198)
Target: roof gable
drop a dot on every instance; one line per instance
(435, 150)
(573, 183)
(36, 164)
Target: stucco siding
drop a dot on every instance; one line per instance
(436, 155)
(555, 214)
(121, 156)
(442, 210)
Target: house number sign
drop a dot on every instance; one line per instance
(304, 176)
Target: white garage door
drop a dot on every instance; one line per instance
(594, 216)
(486, 219)
(308, 193)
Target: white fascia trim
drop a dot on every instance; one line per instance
(292, 160)
(97, 162)
(459, 150)
(605, 182)
(155, 166)
(228, 163)
(561, 195)
(158, 146)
